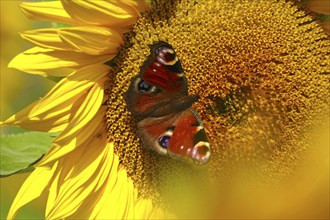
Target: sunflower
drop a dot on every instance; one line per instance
(260, 69)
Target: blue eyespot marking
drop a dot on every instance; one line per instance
(164, 141)
(144, 86)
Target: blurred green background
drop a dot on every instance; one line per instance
(17, 90)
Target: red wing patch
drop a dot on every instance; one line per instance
(158, 75)
(189, 141)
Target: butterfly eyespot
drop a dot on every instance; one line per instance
(164, 141)
(144, 86)
(201, 153)
(167, 56)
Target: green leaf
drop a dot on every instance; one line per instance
(59, 25)
(20, 151)
(54, 78)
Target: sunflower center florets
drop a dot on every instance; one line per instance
(259, 68)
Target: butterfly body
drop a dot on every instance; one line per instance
(159, 101)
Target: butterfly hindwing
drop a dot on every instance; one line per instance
(180, 135)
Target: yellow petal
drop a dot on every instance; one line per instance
(140, 5)
(93, 164)
(100, 207)
(92, 40)
(62, 173)
(110, 13)
(73, 86)
(46, 38)
(114, 200)
(319, 6)
(42, 122)
(90, 207)
(158, 213)
(43, 61)
(83, 115)
(143, 208)
(52, 112)
(32, 188)
(94, 127)
(47, 11)
(129, 208)
(88, 39)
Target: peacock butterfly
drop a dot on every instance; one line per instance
(158, 99)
